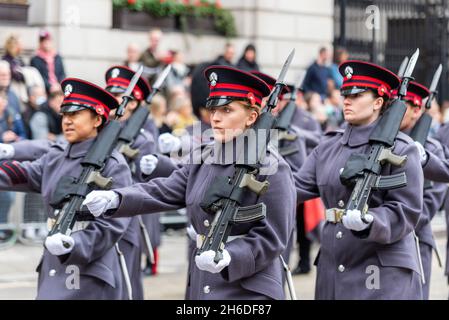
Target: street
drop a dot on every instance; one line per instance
(18, 279)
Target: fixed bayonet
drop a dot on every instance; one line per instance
(402, 92)
(133, 81)
(158, 83)
(402, 67)
(433, 86)
(285, 68)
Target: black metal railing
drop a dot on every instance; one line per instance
(404, 25)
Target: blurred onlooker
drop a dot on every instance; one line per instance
(318, 74)
(179, 72)
(151, 57)
(199, 88)
(334, 110)
(132, 57)
(11, 125)
(6, 136)
(316, 107)
(158, 109)
(5, 85)
(341, 55)
(181, 115)
(227, 57)
(46, 123)
(48, 63)
(13, 50)
(22, 76)
(248, 60)
(37, 98)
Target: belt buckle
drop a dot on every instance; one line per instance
(339, 213)
(334, 215)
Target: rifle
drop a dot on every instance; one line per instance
(225, 196)
(283, 124)
(137, 120)
(366, 168)
(76, 189)
(128, 135)
(421, 129)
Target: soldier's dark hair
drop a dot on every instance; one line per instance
(385, 98)
(103, 119)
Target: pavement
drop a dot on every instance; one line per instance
(18, 279)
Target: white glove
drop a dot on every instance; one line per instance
(422, 152)
(353, 220)
(148, 163)
(168, 143)
(59, 244)
(6, 151)
(205, 261)
(98, 202)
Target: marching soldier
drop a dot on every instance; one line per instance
(307, 125)
(132, 244)
(435, 192)
(294, 160)
(309, 129)
(373, 258)
(250, 268)
(84, 265)
(443, 137)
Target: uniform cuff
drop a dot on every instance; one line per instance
(242, 263)
(130, 203)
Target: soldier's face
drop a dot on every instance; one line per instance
(231, 120)
(411, 116)
(80, 125)
(362, 108)
(130, 107)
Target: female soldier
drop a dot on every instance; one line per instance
(89, 267)
(434, 192)
(376, 259)
(117, 80)
(294, 160)
(250, 268)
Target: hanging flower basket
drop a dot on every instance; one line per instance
(200, 25)
(124, 18)
(197, 16)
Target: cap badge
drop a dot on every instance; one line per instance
(115, 72)
(349, 72)
(68, 90)
(213, 78)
